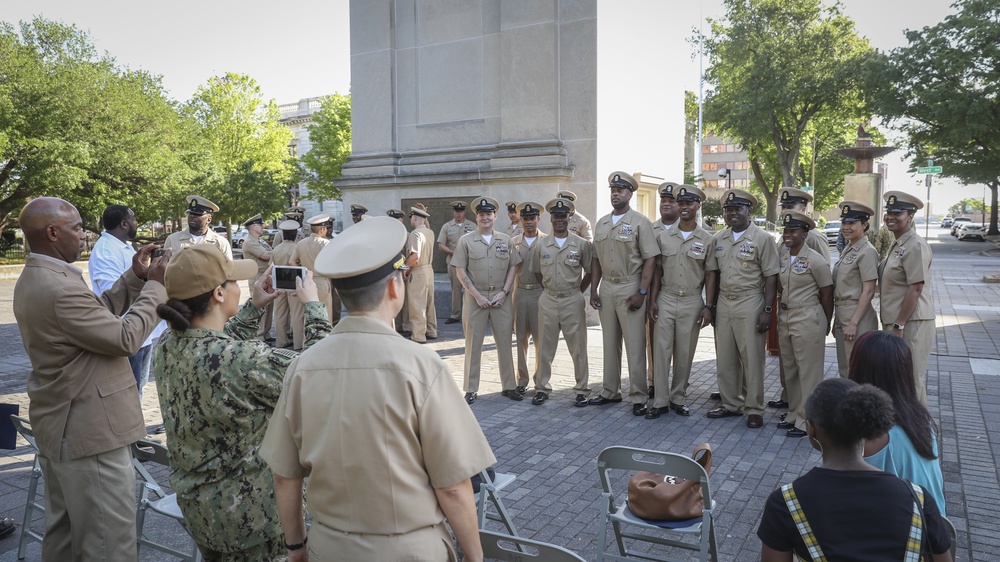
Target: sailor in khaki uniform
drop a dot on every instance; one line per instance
(199, 230)
(668, 216)
(622, 271)
(676, 307)
(806, 310)
(527, 290)
(282, 311)
(515, 227)
(364, 384)
(260, 252)
(744, 264)
(420, 299)
(578, 224)
(447, 240)
(904, 285)
(561, 263)
(854, 278)
(297, 214)
(403, 319)
(305, 255)
(486, 264)
(359, 213)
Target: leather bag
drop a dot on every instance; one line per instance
(668, 498)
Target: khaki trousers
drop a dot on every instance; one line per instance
(429, 543)
(89, 507)
(420, 301)
(526, 326)
(739, 350)
(801, 341)
(297, 314)
(919, 337)
(501, 321)
(325, 291)
(566, 314)
(456, 293)
(282, 319)
(842, 317)
(619, 325)
(265, 321)
(675, 337)
(402, 321)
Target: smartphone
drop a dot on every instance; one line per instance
(283, 276)
(159, 252)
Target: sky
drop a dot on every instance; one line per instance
(302, 49)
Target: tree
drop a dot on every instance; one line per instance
(244, 149)
(943, 89)
(330, 135)
(782, 73)
(966, 206)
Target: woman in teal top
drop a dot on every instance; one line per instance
(910, 449)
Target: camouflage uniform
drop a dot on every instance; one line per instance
(217, 391)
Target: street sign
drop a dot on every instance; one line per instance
(929, 170)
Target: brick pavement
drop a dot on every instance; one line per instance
(552, 448)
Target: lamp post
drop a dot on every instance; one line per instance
(728, 174)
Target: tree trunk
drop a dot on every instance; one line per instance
(993, 231)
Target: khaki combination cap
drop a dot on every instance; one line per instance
(622, 179)
(530, 208)
(198, 269)
(511, 206)
(560, 206)
(198, 205)
(794, 196)
(256, 219)
(319, 220)
(364, 254)
(458, 205)
(851, 211)
(794, 220)
(395, 213)
(296, 210)
(566, 195)
(687, 192)
(484, 204)
(288, 225)
(668, 189)
(901, 201)
(737, 197)
(419, 212)
(358, 209)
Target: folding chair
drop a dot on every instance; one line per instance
(618, 516)
(488, 489)
(165, 504)
(522, 551)
(23, 426)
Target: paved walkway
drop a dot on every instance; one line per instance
(552, 448)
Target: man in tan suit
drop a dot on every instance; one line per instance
(420, 291)
(260, 252)
(84, 406)
(199, 230)
(305, 255)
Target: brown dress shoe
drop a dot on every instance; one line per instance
(755, 420)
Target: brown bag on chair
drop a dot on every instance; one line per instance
(667, 498)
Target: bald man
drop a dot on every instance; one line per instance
(84, 406)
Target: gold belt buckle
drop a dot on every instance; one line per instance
(732, 296)
(681, 293)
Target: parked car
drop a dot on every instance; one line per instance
(832, 231)
(238, 237)
(958, 221)
(971, 230)
(946, 222)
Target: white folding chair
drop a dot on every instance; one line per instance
(163, 504)
(524, 550)
(32, 504)
(488, 489)
(621, 519)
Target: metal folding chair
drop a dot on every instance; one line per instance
(621, 519)
(163, 503)
(32, 504)
(524, 550)
(488, 489)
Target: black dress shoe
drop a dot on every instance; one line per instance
(600, 401)
(406, 333)
(159, 430)
(782, 416)
(7, 527)
(432, 337)
(521, 389)
(779, 403)
(451, 320)
(539, 399)
(639, 409)
(722, 412)
(470, 397)
(581, 400)
(796, 432)
(513, 395)
(785, 425)
(681, 409)
(715, 396)
(653, 413)
(651, 391)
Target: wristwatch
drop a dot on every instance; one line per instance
(899, 327)
(642, 292)
(769, 309)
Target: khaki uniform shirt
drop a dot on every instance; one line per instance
(375, 433)
(563, 268)
(745, 263)
(621, 248)
(579, 225)
(280, 237)
(858, 263)
(514, 230)
(452, 231)
(283, 252)
(306, 251)
(815, 240)
(486, 264)
(908, 262)
(526, 279)
(683, 261)
(802, 279)
(421, 241)
(254, 248)
(180, 240)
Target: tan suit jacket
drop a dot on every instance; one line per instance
(81, 385)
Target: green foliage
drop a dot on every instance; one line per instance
(976, 206)
(330, 135)
(784, 72)
(711, 208)
(943, 89)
